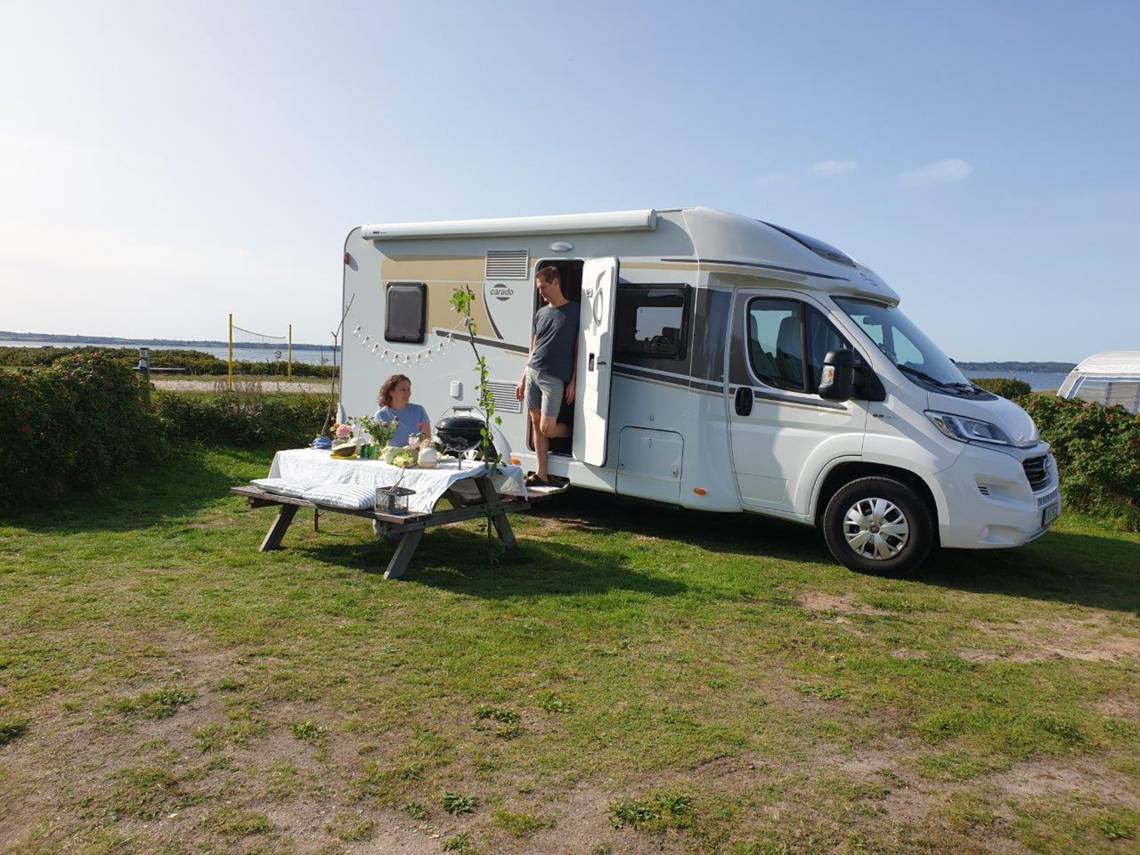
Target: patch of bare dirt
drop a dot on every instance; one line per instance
(1094, 638)
(582, 822)
(905, 653)
(841, 604)
(1119, 706)
(1049, 777)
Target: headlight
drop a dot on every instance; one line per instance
(968, 430)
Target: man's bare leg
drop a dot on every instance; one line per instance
(541, 443)
(554, 429)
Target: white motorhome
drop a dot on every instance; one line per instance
(724, 364)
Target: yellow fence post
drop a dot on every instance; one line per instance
(230, 363)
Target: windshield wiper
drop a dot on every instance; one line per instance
(922, 375)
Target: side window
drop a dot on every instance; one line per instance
(406, 312)
(776, 342)
(652, 321)
(822, 338)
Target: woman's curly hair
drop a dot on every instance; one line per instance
(385, 397)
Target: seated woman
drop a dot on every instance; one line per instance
(410, 418)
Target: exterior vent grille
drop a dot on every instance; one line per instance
(983, 489)
(1037, 471)
(508, 264)
(503, 394)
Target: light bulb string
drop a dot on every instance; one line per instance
(384, 354)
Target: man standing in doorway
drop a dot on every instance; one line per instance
(549, 375)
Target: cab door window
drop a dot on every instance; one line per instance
(776, 342)
(780, 333)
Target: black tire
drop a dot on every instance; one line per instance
(908, 553)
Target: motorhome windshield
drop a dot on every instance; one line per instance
(906, 346)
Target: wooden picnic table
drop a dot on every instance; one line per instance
(406, 529)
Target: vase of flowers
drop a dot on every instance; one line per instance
(381, 432)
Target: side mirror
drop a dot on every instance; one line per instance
(838, 375)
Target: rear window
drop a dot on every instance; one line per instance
(817, 246)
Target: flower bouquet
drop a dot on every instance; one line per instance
(381, 432)
(342, 442)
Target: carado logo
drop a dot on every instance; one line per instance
(502, 292)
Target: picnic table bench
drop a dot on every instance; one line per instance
(472, 497)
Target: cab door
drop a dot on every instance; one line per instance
(783, 433)
(595, 360)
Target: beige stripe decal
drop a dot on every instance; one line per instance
(442, 275)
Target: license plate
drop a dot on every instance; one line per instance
(1049, 514)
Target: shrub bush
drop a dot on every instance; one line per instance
(1003, 386)
(70, 425)
(242, 418)
(1098, 453)
(194, 361)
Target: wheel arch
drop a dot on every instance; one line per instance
(846, 471)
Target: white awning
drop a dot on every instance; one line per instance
(609, 221)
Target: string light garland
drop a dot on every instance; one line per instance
(384, 354)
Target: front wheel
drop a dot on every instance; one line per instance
(878, 525)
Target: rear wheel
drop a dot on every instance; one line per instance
(878, 525)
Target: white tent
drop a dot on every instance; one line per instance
(1108, 378)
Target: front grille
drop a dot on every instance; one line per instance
(1037, 471)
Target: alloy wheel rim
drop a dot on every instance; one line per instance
(876, 528)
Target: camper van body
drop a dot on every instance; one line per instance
(671, 403)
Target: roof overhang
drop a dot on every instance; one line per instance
(608, 221)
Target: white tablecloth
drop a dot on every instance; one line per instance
(311, 466)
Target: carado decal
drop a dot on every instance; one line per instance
(501, 292)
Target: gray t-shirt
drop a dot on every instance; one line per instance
(555, 331)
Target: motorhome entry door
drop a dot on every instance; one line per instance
(595, 360)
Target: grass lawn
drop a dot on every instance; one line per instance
(631, 680)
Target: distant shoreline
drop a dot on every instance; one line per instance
(8, 335)
(1036, 367)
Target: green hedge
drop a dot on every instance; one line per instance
(1098, 453)
(70, 425)
(243, 419)
(1003, 386)
(194, 361)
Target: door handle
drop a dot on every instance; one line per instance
(743, 401)
(590, 363)
(601, 362)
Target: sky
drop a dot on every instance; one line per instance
(165, 164)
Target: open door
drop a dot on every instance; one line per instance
(595, 360)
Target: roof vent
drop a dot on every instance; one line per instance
(508, 263)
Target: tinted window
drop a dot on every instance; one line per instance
(651, 321)
(775, 342)
(406, 312)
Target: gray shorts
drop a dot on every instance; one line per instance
(544, 392)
